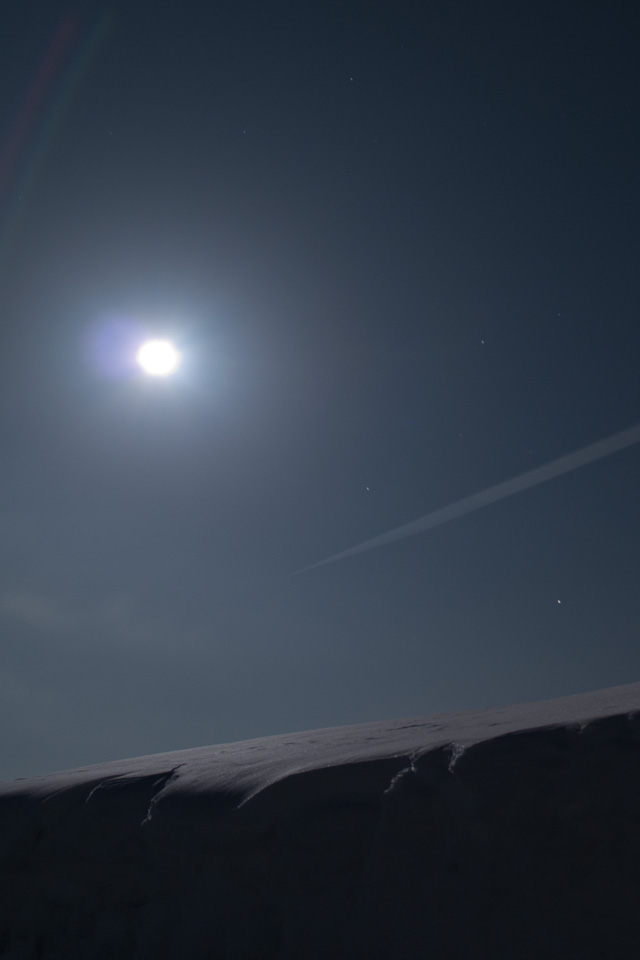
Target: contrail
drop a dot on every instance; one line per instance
(571, 461)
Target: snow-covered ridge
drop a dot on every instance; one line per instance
(369, 841)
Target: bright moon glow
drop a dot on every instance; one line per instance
(158, 357)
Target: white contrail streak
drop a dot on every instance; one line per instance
(571, 461)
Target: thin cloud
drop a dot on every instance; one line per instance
(116, 622)
(36, 610)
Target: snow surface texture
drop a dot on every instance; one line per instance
(501, 833)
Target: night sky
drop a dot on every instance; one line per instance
(397, 247)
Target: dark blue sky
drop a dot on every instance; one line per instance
(397, 247)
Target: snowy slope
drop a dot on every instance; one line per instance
(507, 832)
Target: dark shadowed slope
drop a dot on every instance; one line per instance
(503, 832)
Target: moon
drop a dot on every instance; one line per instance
(158, 358)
